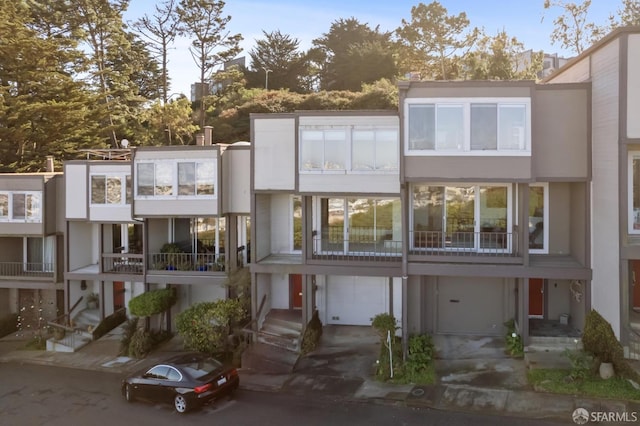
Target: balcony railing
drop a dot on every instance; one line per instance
(122, 263)
(498, 244)
(26, 269)
(365, 250)
(186, 262)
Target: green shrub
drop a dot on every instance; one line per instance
(582, 365)
(420, 357)
(312, 334)
(383, 368)
(385, 324)
(8, 324)
(141, 344)
(513, 340)
(206, 326)
(129, 330)
(152, 302)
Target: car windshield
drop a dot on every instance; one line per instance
(199, 368)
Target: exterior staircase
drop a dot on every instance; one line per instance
(77, 336)
(278, 343)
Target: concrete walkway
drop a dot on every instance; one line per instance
(343, 367)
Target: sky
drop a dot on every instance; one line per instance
(305, 20)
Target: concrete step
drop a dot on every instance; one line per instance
(547, 360)
(271, 328)
(287, 343)
(70, 343)
(553, 344)
(283, 323)
(269, 359)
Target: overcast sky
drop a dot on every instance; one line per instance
(307, 20)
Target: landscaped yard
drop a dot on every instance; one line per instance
(559, 381)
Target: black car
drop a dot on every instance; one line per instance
(186, 380)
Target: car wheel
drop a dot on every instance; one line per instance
(181, 404)
(128, 393)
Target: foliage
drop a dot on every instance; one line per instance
(599, 339)
(629, 15)
(206, 326)
(38, 342)
(239, 284)
(384, 324)
(582, 365)
(170, 123)
(140, 344)
(420, 357)
(129, 329)
(549, 380)
(514, 343)
(8, 324)
(312, 334)
(152, 302)
(571, 28)
(432, 42)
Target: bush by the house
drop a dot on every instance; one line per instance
(129, 329)
(206, 326)
(312, 334)
(152, 302)
(513, 340)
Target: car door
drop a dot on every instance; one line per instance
(152, 383)
(172, 380)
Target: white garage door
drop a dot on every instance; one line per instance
(356, 300)
(470, 306)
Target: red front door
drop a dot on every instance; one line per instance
(635, 283)
(536, 297)
(295, 289)
(118, 295)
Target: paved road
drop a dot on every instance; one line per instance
(33, 395)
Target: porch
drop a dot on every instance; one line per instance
(18, 270)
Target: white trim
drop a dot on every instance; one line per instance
(174, 179)
(123, 189)
(630, 213)
(27, 219)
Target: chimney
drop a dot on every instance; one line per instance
(208, 135)
(50, 166)
(200, 139)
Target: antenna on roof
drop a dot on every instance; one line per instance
(124, 143)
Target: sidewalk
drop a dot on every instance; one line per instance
(455, 391)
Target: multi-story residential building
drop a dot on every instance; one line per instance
(612, 67)
(466, 208)
(155, 217)
(31, 247)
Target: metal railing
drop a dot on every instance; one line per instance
(26, 269)
(122, 263)
(499, 244)
(186, 262)
(358, 249)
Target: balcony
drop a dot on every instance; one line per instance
(25, 270)
(122, 263)
(464, 244)
(200, 262)
(358, 249)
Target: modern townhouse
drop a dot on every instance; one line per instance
(466, 208)
(31, 247)
(612, 67)
(151, 218)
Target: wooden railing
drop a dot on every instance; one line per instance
(123, 263)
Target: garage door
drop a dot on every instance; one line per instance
(470, 306)
(356, 300)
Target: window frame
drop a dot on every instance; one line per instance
(9, 217)
(466, 127)
(545, 212)
(124, 197)
(174, 167)
(632, 155)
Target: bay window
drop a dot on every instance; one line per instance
(21, 206)
(176, 178)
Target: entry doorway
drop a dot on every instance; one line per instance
(295, 291)
(118, 295)
(536, 298)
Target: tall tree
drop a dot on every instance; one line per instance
(571, 28)
(501, 57)
(628, 15)
(276, 61)
(43, 111)
(351, 54)
(169, 123)
(160, 30)
(212, 43)
(433, 41)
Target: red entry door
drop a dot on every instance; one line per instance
(118, 295)
(536, 297)
(635, 283)
(295, 289)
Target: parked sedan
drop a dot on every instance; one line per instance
(187, 381)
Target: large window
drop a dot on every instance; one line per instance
(347, 149)
(459, 126)
(296, 214)
(634, 192)
(20, 206)
(538, 214)
(177, 178)
(463, 217)
(109, 189)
